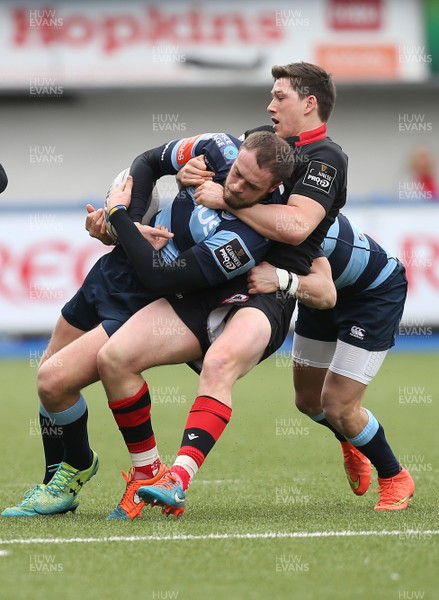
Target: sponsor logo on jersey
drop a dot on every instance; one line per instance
(357, 332)
(230, 152)
(320, 176)
(184, 149)
(231, 256)
(236, 299)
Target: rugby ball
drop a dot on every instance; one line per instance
(118, 180)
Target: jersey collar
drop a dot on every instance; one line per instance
(308, 137)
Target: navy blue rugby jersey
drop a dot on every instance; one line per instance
(320, 173)
(224, 246)
(357, 261)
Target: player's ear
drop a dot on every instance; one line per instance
(310, 104)
(274, 187)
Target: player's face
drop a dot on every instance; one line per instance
(286, 109)
(246, 184)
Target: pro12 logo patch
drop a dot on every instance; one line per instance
(320, 176)
(231, 256)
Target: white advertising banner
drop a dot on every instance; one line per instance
(45, 256)
(49, 47)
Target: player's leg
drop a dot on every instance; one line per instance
(314, 344)
(63, 334)
(310, 371)
(236, 351)
(351, 370)
(69, 363)
(367, 323)
(60, 380)
(153, 336)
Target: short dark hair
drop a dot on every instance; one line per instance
(272, 153)
(310, 80)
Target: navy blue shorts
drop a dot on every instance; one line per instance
(111, 294)
(194, 309)
(367, 319)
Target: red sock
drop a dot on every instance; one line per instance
(206, 422)
(133, 417)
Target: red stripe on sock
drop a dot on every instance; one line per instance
(207, 421)
(125, 402)
(134, 418)
(193, 453)
(137, 447)
(209, 404)
(209, 414)
(183, 475)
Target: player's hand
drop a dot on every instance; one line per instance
(262, 279)
(158, 236)
(211, 194)
(121, 194)
(194, 172)
(96, 226)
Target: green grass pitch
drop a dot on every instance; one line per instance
(273, 474)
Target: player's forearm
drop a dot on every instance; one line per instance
(156, 276)
(316, 289)
(316, 292)
(278, 222)
(145, 170)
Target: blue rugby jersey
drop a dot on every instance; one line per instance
(224, 247)
(357, 261)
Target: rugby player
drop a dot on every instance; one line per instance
(201, 253)
(337, 352)
(303, 96)
(367, 277)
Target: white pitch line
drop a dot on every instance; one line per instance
(223, 536)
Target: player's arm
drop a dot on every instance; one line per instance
(218, 149)
(228, 253)
(157, 276)
(317, 184)
(316, 289)
(3, 179)
(146, 169)
(291, 223)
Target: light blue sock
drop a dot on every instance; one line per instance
(368, 432)
(68, 416)
(319, 417)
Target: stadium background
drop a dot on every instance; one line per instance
(84, 88)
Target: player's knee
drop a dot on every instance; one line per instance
(107, 361)
(50, 385)
(302, 403)
(110, 361)
(334, 411)
(219, 366)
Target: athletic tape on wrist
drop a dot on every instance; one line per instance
(283, 278)
(288, 282)
(294, 285)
